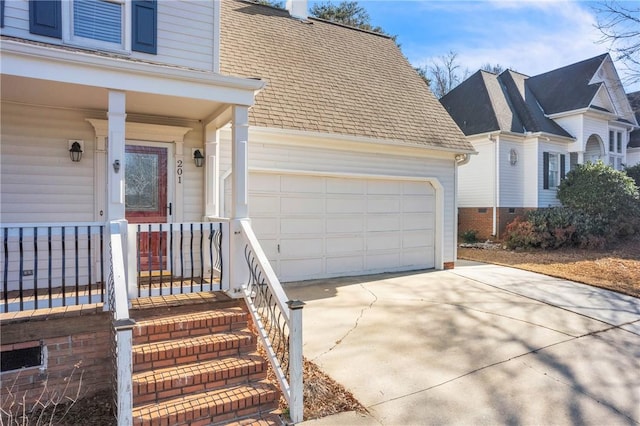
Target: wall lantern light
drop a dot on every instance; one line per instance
(75, 151)
(116, 166)
(198, 158)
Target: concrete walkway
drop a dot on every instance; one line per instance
(481, 344)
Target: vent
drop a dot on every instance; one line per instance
(21, 358)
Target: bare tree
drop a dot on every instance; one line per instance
(619, 23)
(496, 69)
(445, 73)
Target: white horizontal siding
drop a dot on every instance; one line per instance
(476, 179)
(532, 170)
(511, 176)
(40, 183)
(185, 32)
(266, 152)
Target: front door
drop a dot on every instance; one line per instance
(146, 200)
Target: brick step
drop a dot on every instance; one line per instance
(151, 386)
(268, 419)
(211, 407)
(190, 324)
(155, 355)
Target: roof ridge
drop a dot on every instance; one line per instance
(350, 27)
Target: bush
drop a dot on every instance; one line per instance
(599, 190)
(634, 173)
(470, 236)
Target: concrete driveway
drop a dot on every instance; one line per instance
(480, 344)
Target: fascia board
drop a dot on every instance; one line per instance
(33, 61)
(358, 139)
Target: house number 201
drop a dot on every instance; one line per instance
(179, 171)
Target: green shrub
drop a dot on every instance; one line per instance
(597, 189)
(634, 173)
(470, 236)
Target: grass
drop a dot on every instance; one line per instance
(617, 268)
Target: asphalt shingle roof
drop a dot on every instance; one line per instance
(328, 78)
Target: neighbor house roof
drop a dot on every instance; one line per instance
(328, 78)
(487, 102)
(567, 88)
(634, 101)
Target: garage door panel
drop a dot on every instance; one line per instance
(417, 221)
(383, 222)
(417, 204)
(386, 204)
(346, 205)
(387, 260)
(302, 225)
(302, 184)
(345, 224)
(300, 248)
(344, 264)
(346, 244)
(265, 226)
(265, 183)
(383, 241)
(384, 187)
(264, 204)
(300, 269)
(309, 205)
(270, 247)
(345, 186)
(419, 257)
(417, 239)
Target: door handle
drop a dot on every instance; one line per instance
(170, 207)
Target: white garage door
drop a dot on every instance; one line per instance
(317, 226)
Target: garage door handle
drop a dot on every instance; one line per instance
(278, 248)
(170, 207)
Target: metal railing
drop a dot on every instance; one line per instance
(174, 258)
(278, 321)
(46, 265)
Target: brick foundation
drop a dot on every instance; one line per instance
(481, 220)
(449, 265)
(77, 346)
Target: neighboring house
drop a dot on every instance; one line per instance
(530, 131)
(633, 148)
(352, 160)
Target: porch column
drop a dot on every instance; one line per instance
(116, 163)
(240, 162)
(212, 181)
(238, 269)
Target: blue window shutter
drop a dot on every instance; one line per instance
(545, 170)
(562, 167)
(1, 13)
(144, 26)
(45, 18)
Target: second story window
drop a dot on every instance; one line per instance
(98, 22)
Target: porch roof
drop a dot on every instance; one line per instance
(332, 79)
(45, 74)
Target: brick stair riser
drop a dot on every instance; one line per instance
(226, 407)
(156, 389)
(149, 332)
(187, 354)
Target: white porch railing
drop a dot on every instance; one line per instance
(278, 320)
(122, 342)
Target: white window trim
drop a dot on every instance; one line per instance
(69, 39)
(558, 178)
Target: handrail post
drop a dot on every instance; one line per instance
(124, 363)
(238, 271)
(296, 404)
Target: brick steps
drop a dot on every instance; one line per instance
(216, 406)
(198, 365)
(154, 385)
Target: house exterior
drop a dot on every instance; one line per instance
(353, 162)
(633, 148)
(133, 145)
(530, 131)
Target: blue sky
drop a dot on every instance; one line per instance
(530, 37)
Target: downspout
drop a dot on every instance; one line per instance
(460, 160)
(496, 195)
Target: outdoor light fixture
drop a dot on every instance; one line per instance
(116, 166)
(198, 158)
(75, 152)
